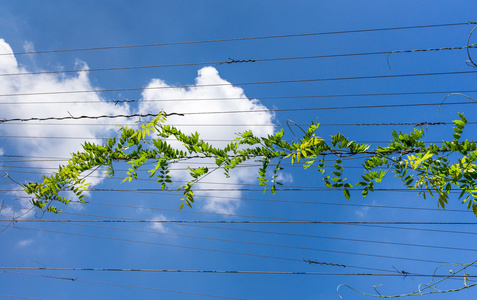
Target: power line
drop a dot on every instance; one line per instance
(274, 245)
(242, 98)
(231, 252)
(122, 285)
(291, 202)
(300, 189)
(240, 39)
(286, 246)
(227, 272)
(275, 201)
(20, 297)
(263, 244)
(47, 158)
(233, 61)
(244, 111)
(242, 83)
(239, 222)
(227, 252)
(259, 231)
(236, 125)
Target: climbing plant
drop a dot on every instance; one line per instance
(429, 169)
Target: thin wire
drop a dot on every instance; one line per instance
(414, 229)
(150, 139)
(414, 124)
(257, 231)
(233, 61)
(267, 200)
(222, 272)
(121, 285)
(240, 222)
(242, 98)
(20, 297)
(285, 246)
(244, 242)
(241, 83)
(242, 111)
(239, 39)
(173, 191)
(288, 201)
(231, 252)
(430, 49)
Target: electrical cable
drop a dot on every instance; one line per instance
(240, 222)
(240, 39)
(414, 124)
(233, 61)
(227, 272)
(286, 246)
(20, 297)
(121, 285)
(229, 252)
(241, 83)
(242, 98)
(245, 111)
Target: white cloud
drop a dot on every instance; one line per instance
(24, 243)
(363, 212)
(157, 226)
(219, 129)
(80, 81)
(19, 206)
(285, 177)
(56, 107)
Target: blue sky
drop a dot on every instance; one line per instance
(58, 25)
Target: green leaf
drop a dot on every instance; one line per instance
(346, 194)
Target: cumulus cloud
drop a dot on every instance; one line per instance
(363, 212)
(157, 226)
(211, 126)
(56, 107)
(24, 243)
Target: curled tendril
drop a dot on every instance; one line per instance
(470, 62)
(442, 102)
(432, 286)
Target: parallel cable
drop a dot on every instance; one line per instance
(105, 138)
(287, 246)
(120, 285)
(264, 232)
(118, 101)
(269, 232)
(227, 272)
(241, 222)
(230, 252)
(414, 124)
(266, 200)
(173, 191)
(241, 83)
(20, 297)
(241, 38)
(244, 111)
(233, 61)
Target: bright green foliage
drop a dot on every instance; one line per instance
(427, 168)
